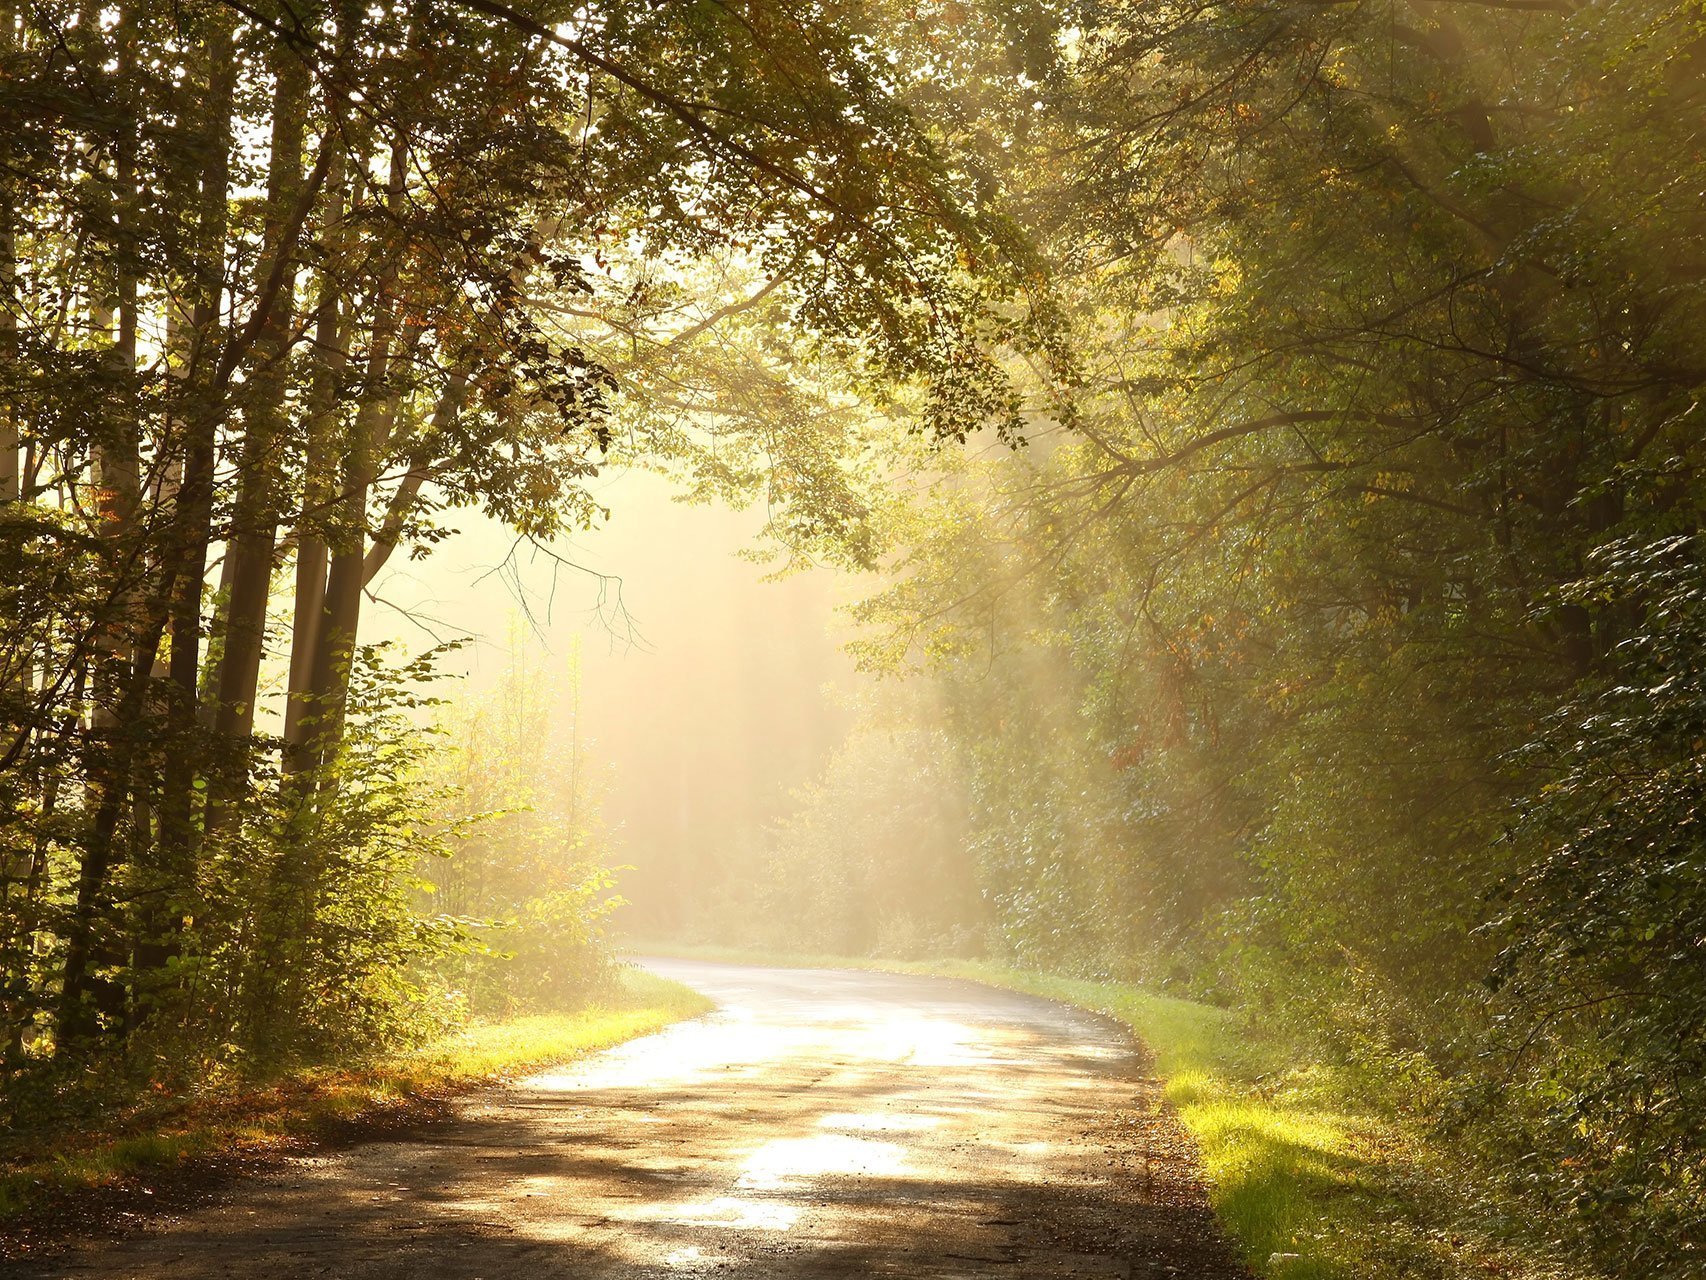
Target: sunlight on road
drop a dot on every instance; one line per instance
(879, 1122)
(817, 1126)
(782, 1165)
(786, 1162)
(731, 1211)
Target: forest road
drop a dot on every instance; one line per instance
(821, 1124)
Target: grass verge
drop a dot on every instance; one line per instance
(234, 1126)
(1313, 1177)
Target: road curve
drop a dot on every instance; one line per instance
(820, 1124)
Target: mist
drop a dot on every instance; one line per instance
(704, 691)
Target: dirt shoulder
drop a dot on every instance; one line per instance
(156, 1155)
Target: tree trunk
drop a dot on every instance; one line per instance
(254, 530)
(340, 616)
(185, 563)
(11, 474)
(331, 341)
(117, 484)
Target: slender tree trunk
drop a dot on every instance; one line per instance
(254, 532)
(408, 492)
(11, 474)
(340, 613)
(389, 342)
(331, 341)
(77, 1011)
(26, 917)
(117, 471)
(185, 565)
(267, 996)
(14, 649)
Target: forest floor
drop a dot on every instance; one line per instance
(1309, 1173)
(817, 1126)
(149, 1152)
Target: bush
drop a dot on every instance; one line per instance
(1600, 990)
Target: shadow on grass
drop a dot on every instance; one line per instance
(1278, 1174)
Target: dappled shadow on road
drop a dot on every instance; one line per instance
(855, 1125)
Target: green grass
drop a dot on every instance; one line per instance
(1312, 1177)
(310, 1105)
(1286, 1164)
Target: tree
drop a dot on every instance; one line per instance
(281, 284)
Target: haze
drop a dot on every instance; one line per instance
(709, 690)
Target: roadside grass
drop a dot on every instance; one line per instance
(154, 1136)
(1294, 1174)
(1312, 1175)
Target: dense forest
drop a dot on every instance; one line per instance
(1272, 427)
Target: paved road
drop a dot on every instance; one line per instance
(821, 1124)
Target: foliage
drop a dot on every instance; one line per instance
(281, 285)
(524, 860)
(1601, 993)
(1331, 651)
(330, 953)
(874, 862)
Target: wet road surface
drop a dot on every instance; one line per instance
(820, 1124)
